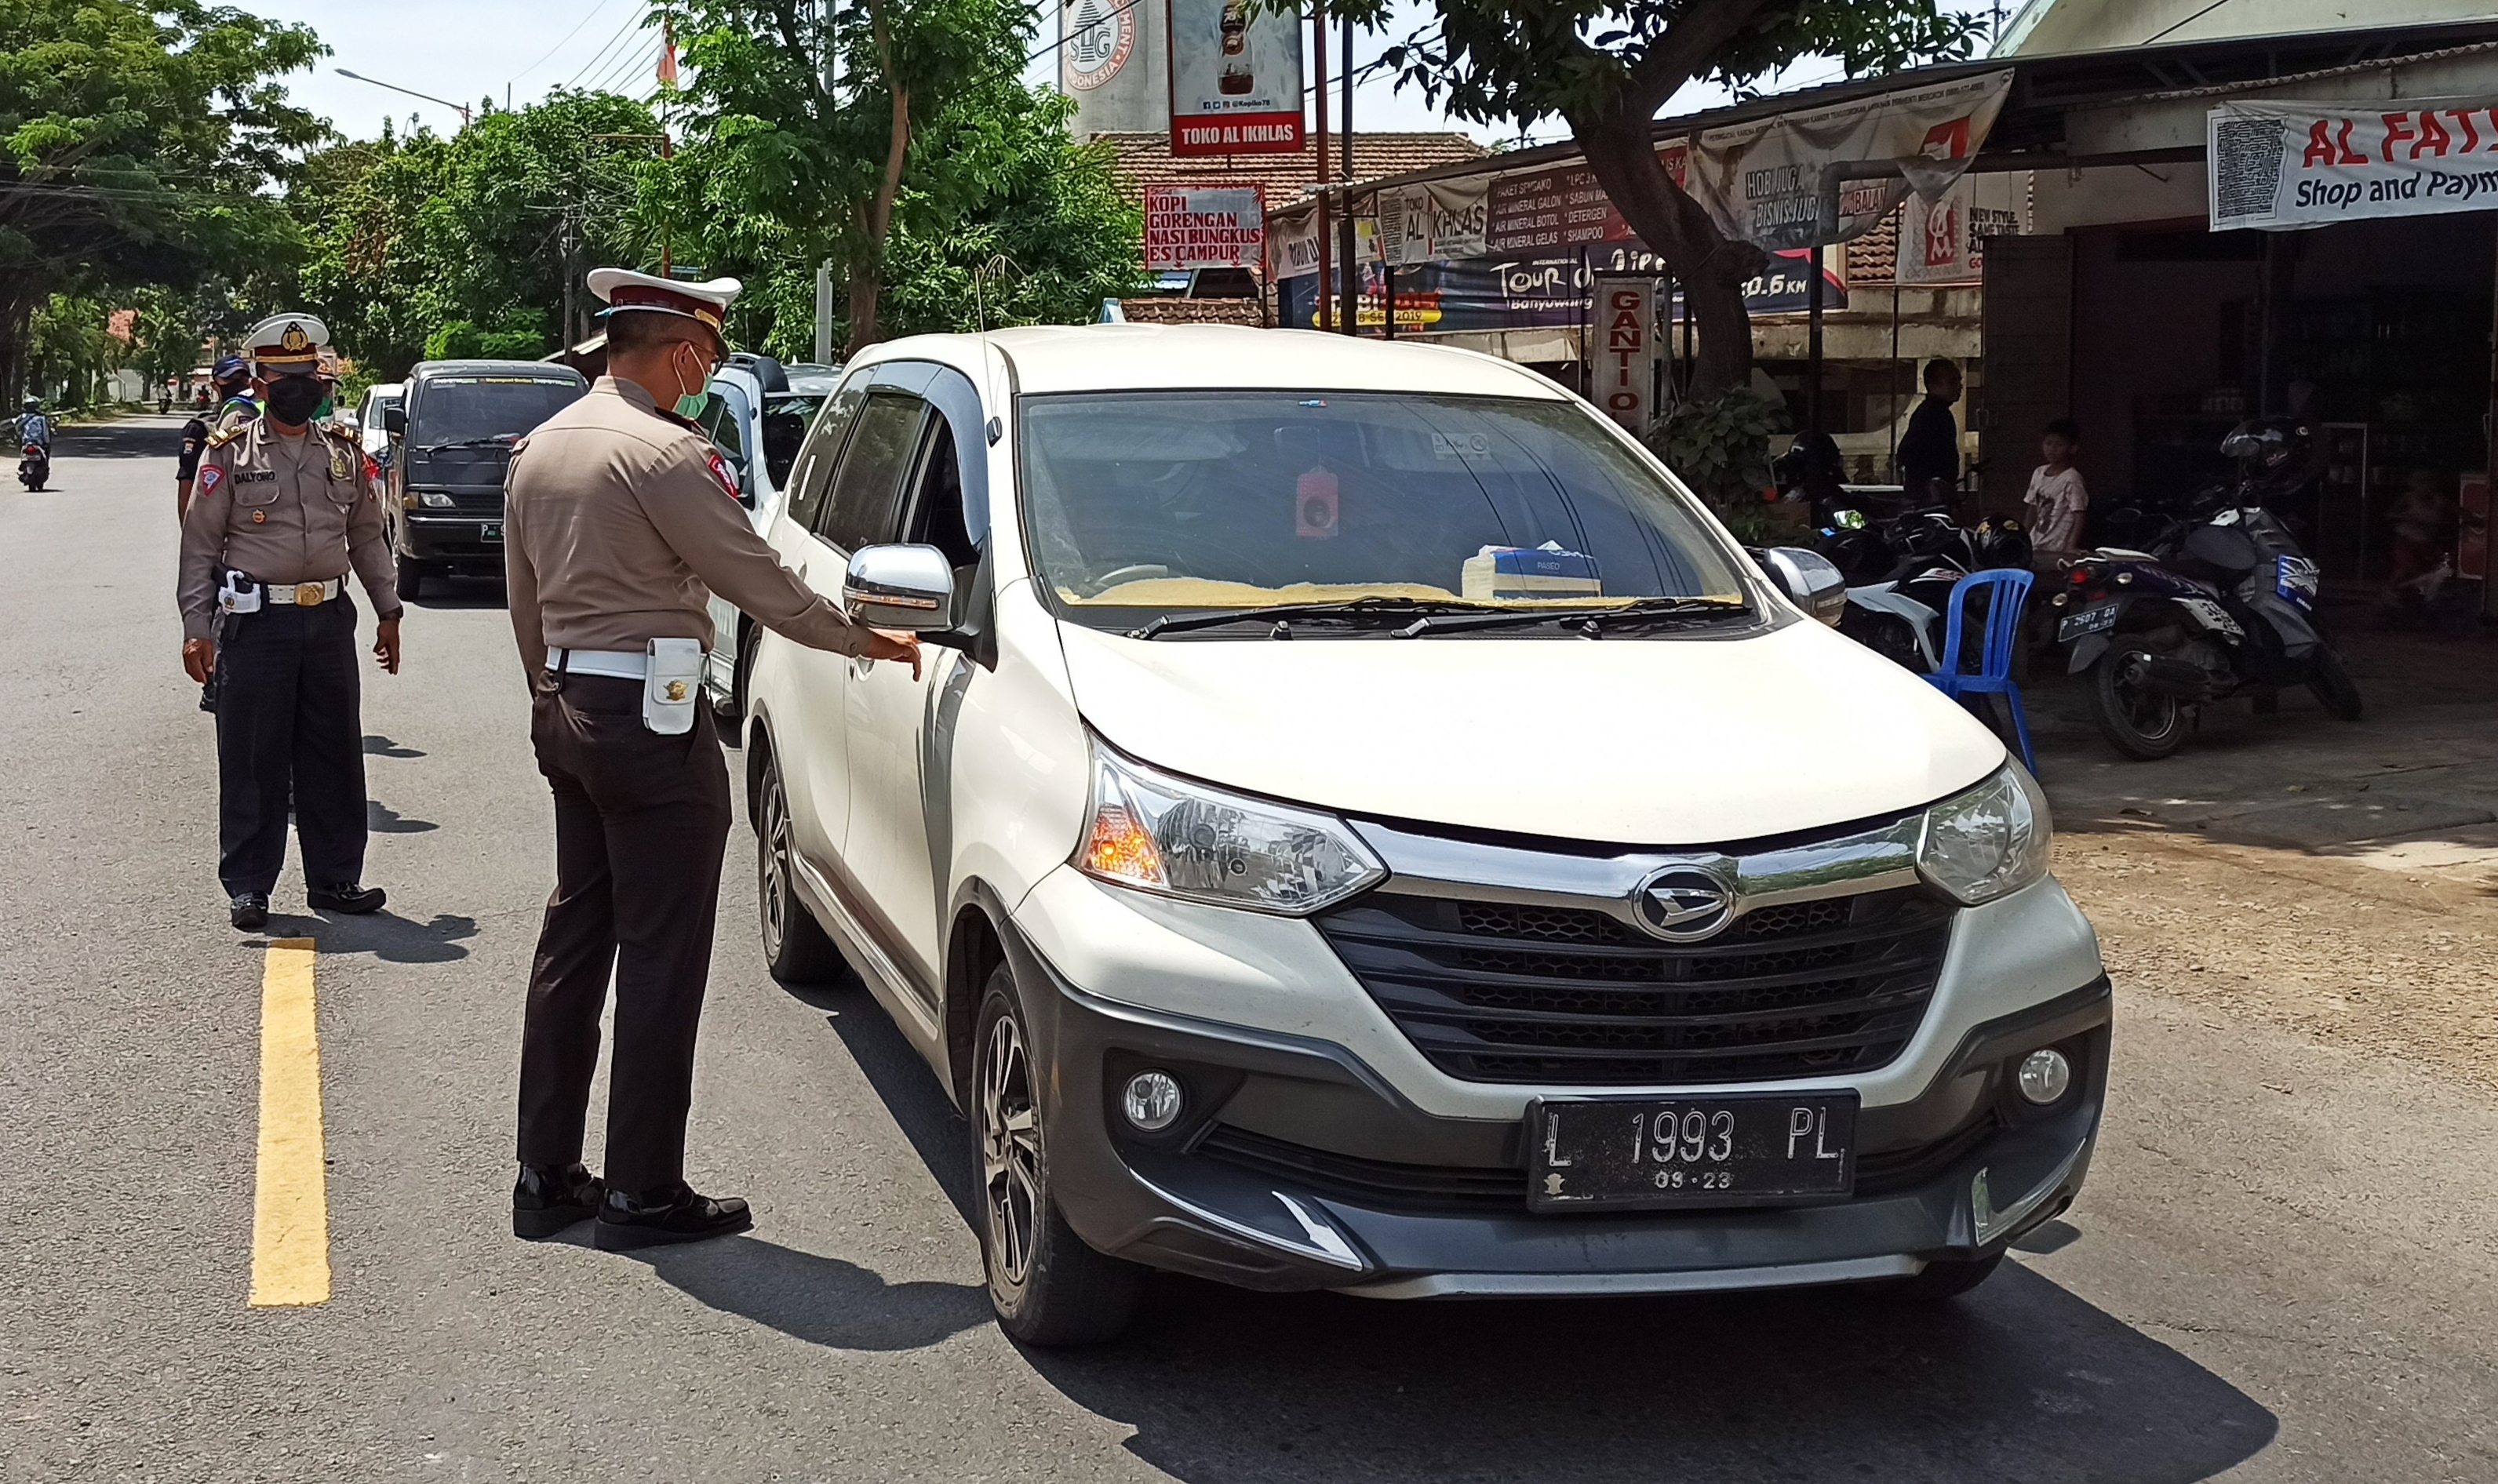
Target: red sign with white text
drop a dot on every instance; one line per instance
(2282, 166)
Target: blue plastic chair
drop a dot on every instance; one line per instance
(2008, 592)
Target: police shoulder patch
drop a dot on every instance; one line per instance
(210, 476)
(719, 471)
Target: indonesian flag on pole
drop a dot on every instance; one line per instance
(667, 53)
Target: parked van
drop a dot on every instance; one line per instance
(453, 435)
(1366, 826)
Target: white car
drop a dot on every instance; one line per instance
(1365, 826)
(757, 412)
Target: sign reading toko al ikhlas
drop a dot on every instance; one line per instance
(2283, 166)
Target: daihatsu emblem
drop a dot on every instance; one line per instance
(1681, 903)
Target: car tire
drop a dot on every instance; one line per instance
(1047, 1287)
(411, 580)
(1948, 1279)
(797, 949)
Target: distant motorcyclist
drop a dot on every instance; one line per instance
(33, 427)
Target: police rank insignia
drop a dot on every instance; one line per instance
(719, 471)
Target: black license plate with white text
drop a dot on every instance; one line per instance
(1748, 1149)
(2090, 620)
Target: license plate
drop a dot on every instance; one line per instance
(491, 530)
(2213, 615)
(2090, 620)
(1751, 1149)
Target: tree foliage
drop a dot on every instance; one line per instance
(427, 247)
(923, 156)
(136, 141)
(1606, 69)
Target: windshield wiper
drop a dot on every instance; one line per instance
(500, 440)
(1591, 620)
(1284, 612)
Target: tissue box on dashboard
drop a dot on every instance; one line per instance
(1546, 571)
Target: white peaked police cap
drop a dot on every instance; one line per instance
(621, 289)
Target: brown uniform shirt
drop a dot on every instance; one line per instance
(285, 511)
(613, 525)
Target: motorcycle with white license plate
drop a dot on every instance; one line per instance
(1366, 826)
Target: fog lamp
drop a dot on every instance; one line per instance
(1152, 1101)
(2044, 1075)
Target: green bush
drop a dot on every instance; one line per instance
(1721, 449)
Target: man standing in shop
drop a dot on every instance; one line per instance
(1929, 457)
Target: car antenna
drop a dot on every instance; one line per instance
(997, 267)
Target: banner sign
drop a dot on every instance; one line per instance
(1436, 221)
(1622, 351)
(1827, 174)
(1204, 226)
(1235, 80)
(1560, 206)
(2284, 166)
(1943, 241)
(1547, 290)
(1292, 239)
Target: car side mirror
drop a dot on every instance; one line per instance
(907, 588)
(1811, 579)
(395, 421)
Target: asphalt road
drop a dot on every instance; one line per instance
(2283, 1269)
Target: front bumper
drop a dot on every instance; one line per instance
(457, 539)
(1297, 1167)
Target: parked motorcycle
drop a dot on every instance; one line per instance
(34, 465)
(2223, 604)
(1900, 572)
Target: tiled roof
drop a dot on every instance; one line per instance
(1195, 311)
(1872, 258)
(1140, 160)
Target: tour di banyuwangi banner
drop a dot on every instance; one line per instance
(2280, 166)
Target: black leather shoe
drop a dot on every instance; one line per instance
(546, 1200)
(672, 1215)
(346, 897)
(250, 911)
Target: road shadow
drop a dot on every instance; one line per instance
(383, 746)
(2019, 1381)
(137, 437)
(385, 934)
(821, 1300)
(381, 819)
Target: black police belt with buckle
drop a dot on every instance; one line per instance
(242, 594)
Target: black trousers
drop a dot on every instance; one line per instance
(640, 822)
(290, 723)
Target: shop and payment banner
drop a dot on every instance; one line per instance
(1786, 180)
(1204, 226)
(2280, 166)
(1235, 80)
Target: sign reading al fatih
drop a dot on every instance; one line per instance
(1099, 34)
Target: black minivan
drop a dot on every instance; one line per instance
(455, 434)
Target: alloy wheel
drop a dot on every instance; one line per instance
(1009, 1151)
(773, 863)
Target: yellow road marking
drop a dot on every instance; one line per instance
(290, 1213)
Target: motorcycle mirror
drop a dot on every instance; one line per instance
(1848, 519)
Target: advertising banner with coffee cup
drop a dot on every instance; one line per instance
(1235, 80)
(2282, 166)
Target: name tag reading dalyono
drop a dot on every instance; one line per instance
(1744, 1149)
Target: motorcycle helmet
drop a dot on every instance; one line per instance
(34, 404)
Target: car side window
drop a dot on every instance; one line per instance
(719, 419)
(867, 492)
(813, 474)
(936, 516)
(782, 429)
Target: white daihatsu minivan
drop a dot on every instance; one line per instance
(1365, 826)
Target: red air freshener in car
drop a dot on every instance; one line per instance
(1314, 505)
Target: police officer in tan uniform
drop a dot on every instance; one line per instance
(277, 514)
(617, 516)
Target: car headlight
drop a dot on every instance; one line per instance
(434, 499)
(1155, 833)
(1990, 842)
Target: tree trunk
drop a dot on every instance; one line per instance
(867, 278)
(1621, 153)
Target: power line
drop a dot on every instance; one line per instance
(585, 20)
(632, 24)
(623, 71)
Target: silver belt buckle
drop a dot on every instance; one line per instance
(309, 594)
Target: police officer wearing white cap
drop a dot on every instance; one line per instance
(619, 517)
(278, 512)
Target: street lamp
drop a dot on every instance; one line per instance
(411, 92)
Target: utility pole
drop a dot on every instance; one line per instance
(1350, 244)
(1326, 258)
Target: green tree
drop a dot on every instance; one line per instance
(919, 158)
(137, 141)
(1606, 70)
(429, 246)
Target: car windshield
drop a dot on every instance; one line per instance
(454, 410)
(1180, 505)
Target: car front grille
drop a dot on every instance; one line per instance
(1518, 993)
